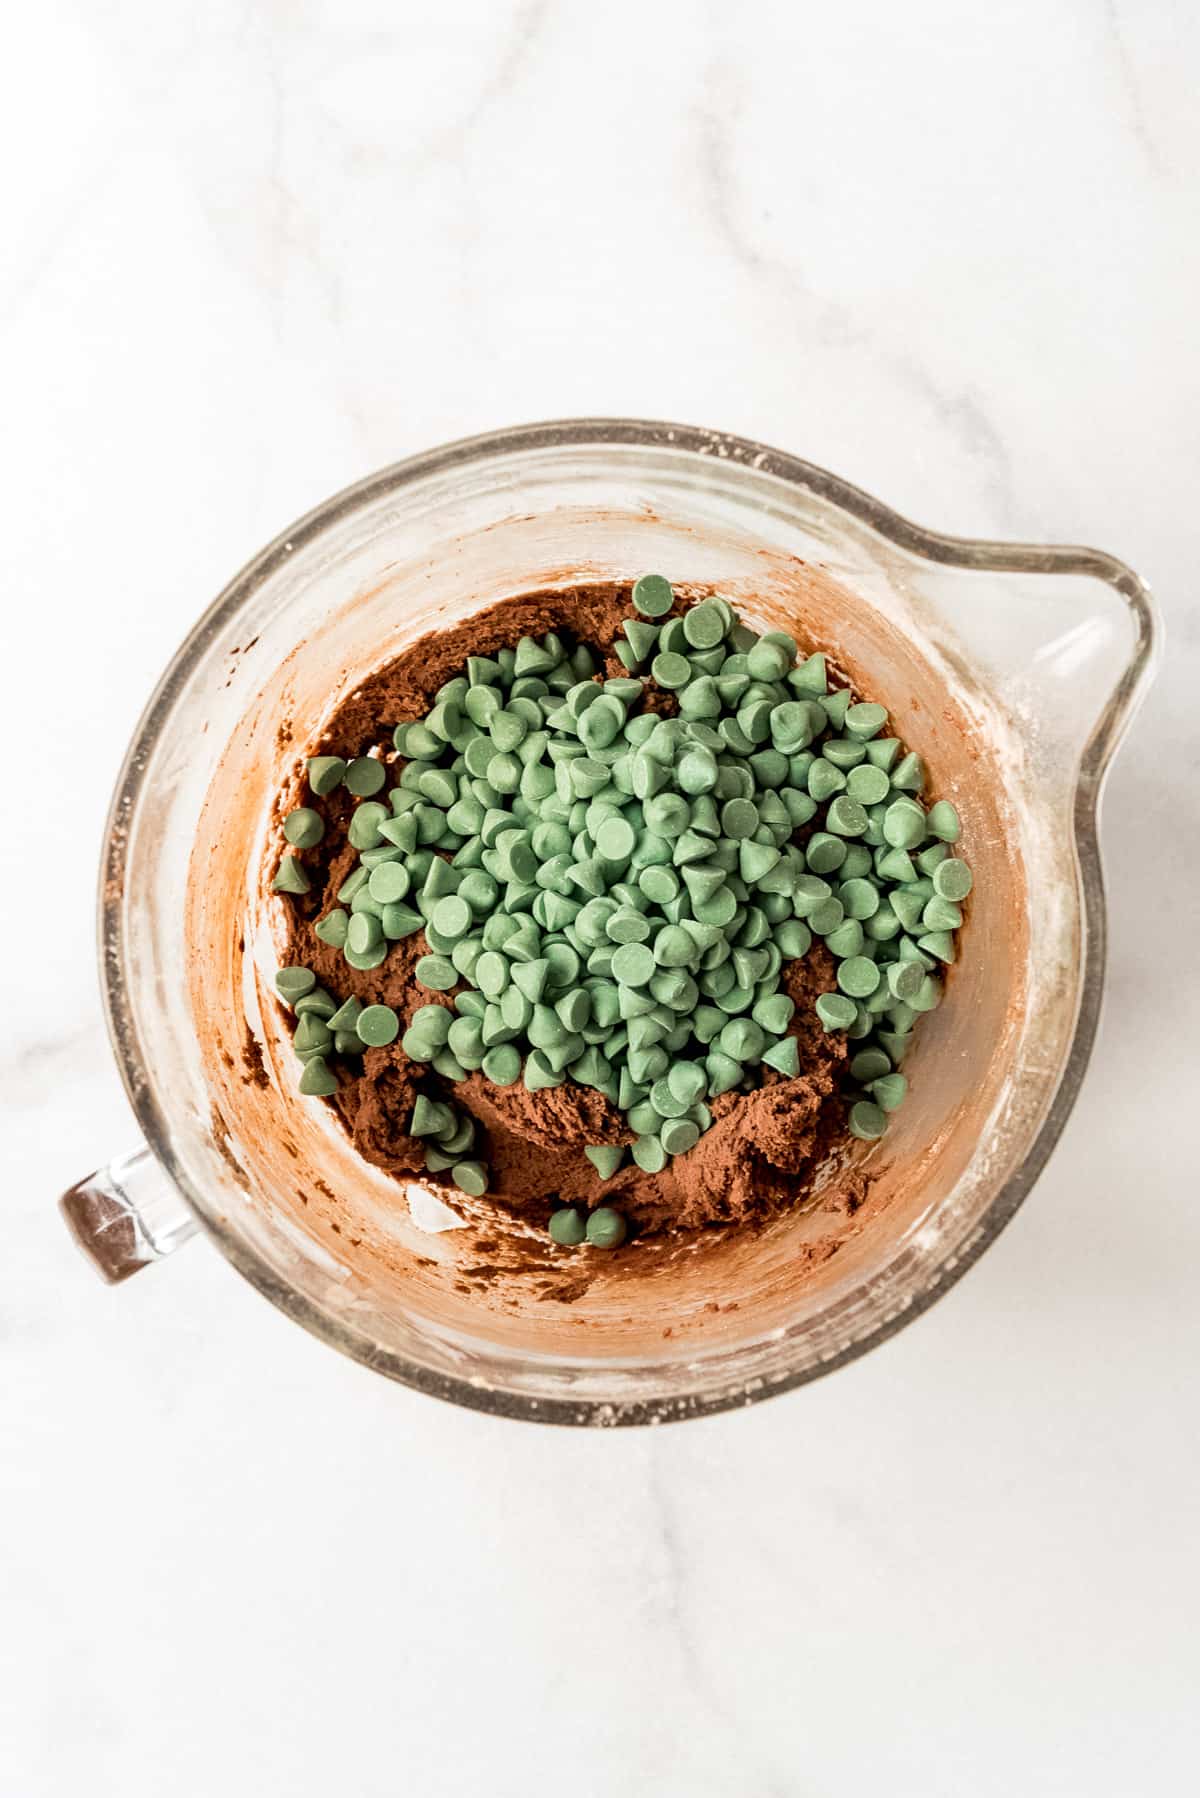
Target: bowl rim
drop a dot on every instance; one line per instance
(931, 546)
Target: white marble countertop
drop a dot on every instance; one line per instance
(252, 253)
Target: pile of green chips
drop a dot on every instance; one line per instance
(616, 891)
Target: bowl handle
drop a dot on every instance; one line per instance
(126, 1215)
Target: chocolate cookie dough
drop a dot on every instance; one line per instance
(763, 1147)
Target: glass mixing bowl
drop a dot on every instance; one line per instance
(1012, 669)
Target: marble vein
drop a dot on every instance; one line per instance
(835, 326)
(1127, 76)
(528, 20)
(678, 1580)
(29, 1064)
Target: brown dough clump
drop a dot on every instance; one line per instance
(764, 1147)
